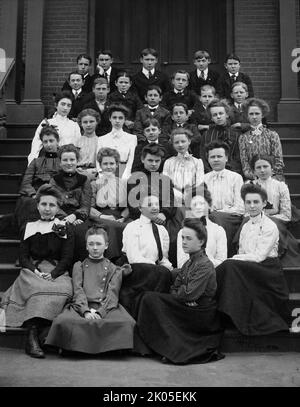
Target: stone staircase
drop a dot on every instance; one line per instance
(13, 162)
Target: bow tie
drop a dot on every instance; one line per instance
(152, 109)
(47, 220)
(179, 93)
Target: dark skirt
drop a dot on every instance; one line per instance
(70, 331)
(177, 331)
(144, 277)
(253, 295)
(231, 224)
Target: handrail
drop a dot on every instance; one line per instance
(9, 64)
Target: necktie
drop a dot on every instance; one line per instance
(152, 110)
(150, 75)
(202, 74)
(239, 107)
(157, 239)
(105, 75)
(233, 78)
(76, 94)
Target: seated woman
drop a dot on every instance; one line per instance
(91, 324)
(68, 130)
(43, 286)
(88, 120)
(183, 325)
(75, 188)
(252, 290)
(108, 205)
(184, 170)
(39, 172)
(198, 204)
(146, 246)
(279, 208)
(259, 139)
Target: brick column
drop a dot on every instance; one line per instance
(289, 105)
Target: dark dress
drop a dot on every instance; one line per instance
(96, 285)
(39, 172)
(31, 296)
(183, 326)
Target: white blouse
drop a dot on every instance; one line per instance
(184, 170)
(258, 240)
(88, 151)
(225, 188)
(216, 245)
(278, 196)
(140, 245)
(124, 143)
(68, 130)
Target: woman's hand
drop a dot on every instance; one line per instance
(91, 315)
(70, 218)
(46, 276)
(38, 273)
(77, 222)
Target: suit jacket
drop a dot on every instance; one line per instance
(188, 97)
(195, 83)
(104, 126)
(160, 114)
(225, 82)
(87, 87)
(77, 104)
(200, 115)
(130, 100)
(141, 82)
(161, 185)
(112, 78)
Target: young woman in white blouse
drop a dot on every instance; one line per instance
(68, 130)
(252, 290)
(184, 170)
(198, 204)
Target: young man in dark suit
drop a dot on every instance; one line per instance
(202, 75)
(232, 75)
(84, 62)
(149, 75)
(79, 97)
(105, 69)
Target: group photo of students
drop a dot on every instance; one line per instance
(153, 215)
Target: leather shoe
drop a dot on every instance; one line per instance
(32, 347)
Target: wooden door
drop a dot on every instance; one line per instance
(175, 28)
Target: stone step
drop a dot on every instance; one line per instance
(9, 250)
(292, 163)
(286, 130)
(19, 146)
(10, 183)
(8, 203)
(295, 198)
(290, 145)
(292, 179)
(8, 273)
(13, 164)
(21, 130)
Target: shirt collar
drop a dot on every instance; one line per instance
(116, 133)
(108, 72)
(146, 72)
(218, 174)
(257, 219)
(178, 91)
(205, 72)
(78, 91)
(144, 219)
(186, 155)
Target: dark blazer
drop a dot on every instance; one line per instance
(225, 82)
(87, 87)
(77, 104)
(141, 82)
(161, 185)
(188, 97)
(130, 100)
(104, 126)
(195, 83)
(200, 115)
(112, 78)
(160, 114)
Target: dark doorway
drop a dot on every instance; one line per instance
(176, 28)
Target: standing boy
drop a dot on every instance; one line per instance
(232, 75)
(105, 69)
(149, 75)
(202, 75)
(79, 96)
(200, 115)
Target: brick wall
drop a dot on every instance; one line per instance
(65, 36)
(257, 42)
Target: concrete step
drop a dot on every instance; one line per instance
(8, 273)
(10, 183)
(292, 163)
(290, 145)
(8, 203)
(21, 130)
(286, 130)
(9, 250)
(13, 338)
(292, 179)
(295, 198)
(13, 164)
(19, 146)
